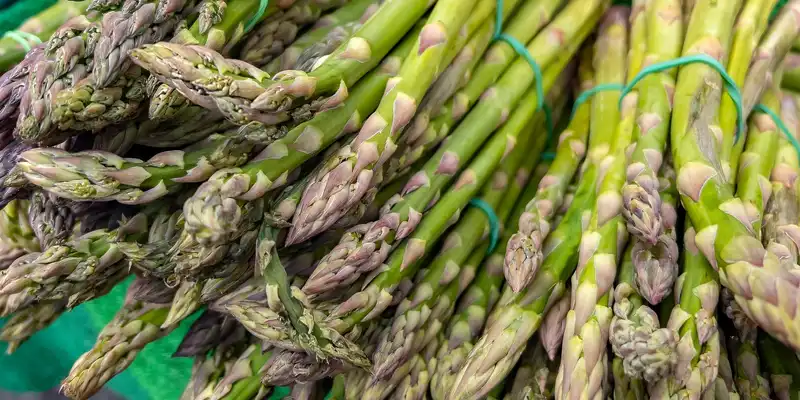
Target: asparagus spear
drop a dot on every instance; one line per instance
(479, 298)
(276, 32)
(13, 87)
(423, 134)
(784, 370)
(210, 222)
(134, 326)
(346, 178)
(590, 316)
(694, 357)
(62, 269)
(523, 252)
(791, 71)
(42, 25)
(749, 382)
(518, 315)
(535, 376)
(642, 203)
(15, 228)
(26, 322)
(769, 53)
(750, 26)
(242, 381)
(374, 241)
(95, 175)
(420, 316)
(724, 235)
(138, 23)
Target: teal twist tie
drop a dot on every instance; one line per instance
(262, 8)
(781, 126)
(730, 85)
(23, 38)
(523, 52)
(586, 94)
(494, 222)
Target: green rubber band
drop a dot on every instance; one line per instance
(730, 85)
(23, 38)
(262, 8)
(781, 125)
(494, 222)
(523, 52)
(584, 96)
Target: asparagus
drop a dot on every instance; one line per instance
(209, 222)
(54, 220)
(750, 26)
(133, 327)
(242, 381)
(323, 37)
(151, 257)
(272, 36)
(138, 23)
(345, 179)
(784, 371)
(523, 251)
(590, 315)
(535, 376)
(13, 87)
(96, 175)
(517, 315)
(89, 107)
(26, 322)
(61, 270)
(791, 71)
(642, 203)
(656, 266)
(374, 241)
(419, 317)
(727, 239)
(772, 49)
(749, 382)
(479, 298)
(694, 357)
(41, 26)
(15, 229)
(423, 134)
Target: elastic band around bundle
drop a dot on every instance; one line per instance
(23, 38)
(584, 96)
(781, 126)
(523, 52)
(494, 222)
(262, 8)
(730, 85)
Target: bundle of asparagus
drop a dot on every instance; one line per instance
(358, 195)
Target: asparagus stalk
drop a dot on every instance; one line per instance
(209, 222)
(535, 376)
(590, 316)
(26, 322)
(344, 180)
(242, 381)
(750, 26)
(768, 55)
(518, 315)
(726, 237)
(95, 175)
(791, 71)
(783, 369)
(15, 228)
(420, 316)
(524, 249)
(749, 382)
(42, 25)
(135, 325)
(210, 330)
(642, 203)
(478, 299)
(275, 33)
(61, 270)
(13, 87)
(424, 134)
(374, 241)
(694, 358)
